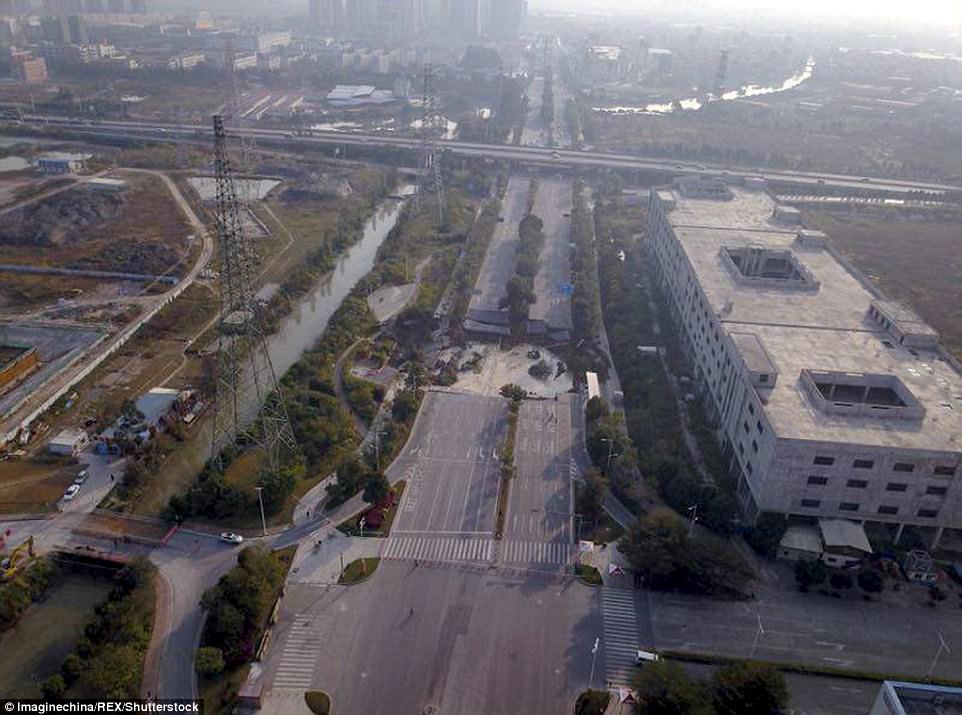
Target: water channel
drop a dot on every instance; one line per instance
(305, 325)
(695, 103)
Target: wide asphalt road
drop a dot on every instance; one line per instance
(538, 531)
(464, 642)
(552, 284)
(451, 468)
(499, 261)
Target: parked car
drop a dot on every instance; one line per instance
(81, 477)
(229, 537)
(71, 492)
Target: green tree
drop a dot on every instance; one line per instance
(840, 581)
(513, 392)
(376, 488)
(53, 687)
(767, 533)
(593, 495)
(744, 687)
(870, 581)
(595, 409)
(209, 661)
(405, 406)
(664, 688)
(810, 572)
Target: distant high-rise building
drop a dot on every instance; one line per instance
(138, 7)
(55, 29)
(77, 30)
(116, 6)
(326, 15)
(504, 18)
(54, 7)
(94, 6)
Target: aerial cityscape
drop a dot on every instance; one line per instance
(429, 357)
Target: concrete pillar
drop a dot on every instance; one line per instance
(937, 538)
(898, 533)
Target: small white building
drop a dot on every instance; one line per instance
(69, 442)
(900, 698)
(837, 542)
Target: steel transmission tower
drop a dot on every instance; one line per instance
(248, 406)
(430, 179)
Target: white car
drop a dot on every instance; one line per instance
(81, 477)
(229, 537)
(71, 492)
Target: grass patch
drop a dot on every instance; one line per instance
(507, 467)
(592, 702)
(588, 575)
(358, 570)
(318, 702)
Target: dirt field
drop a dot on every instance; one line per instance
(918, 262)
(139, 231)
(28, 487)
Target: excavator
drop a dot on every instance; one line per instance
(21, 555)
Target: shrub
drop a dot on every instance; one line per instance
(209, 661)
(810, 572)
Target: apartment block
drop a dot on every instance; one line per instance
(830, 400)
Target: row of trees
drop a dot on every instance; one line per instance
(237, 610)
(666, 688)
(670, 556)
(108, 660)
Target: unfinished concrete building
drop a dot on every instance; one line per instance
(830, 400)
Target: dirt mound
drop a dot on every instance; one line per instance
(62, 219)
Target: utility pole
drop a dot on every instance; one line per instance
(260, 500)
(430, 178)
(611, 447)
(693, 510)
(248, 405)
(943, 646)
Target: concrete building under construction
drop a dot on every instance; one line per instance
(829, 399)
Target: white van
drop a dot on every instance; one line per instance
(644, 656)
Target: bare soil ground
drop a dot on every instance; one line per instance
(32, 487)
(139, 230)
(918, 262)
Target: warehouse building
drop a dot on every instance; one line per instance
(830, 400)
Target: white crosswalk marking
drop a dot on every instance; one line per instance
(552, 552)
(298, 659)
(621, 634)
(448, 549)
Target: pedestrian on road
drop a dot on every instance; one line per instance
(412, 612)
(111, 477)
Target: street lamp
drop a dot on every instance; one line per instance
(943, 646)
(594, 656)
(260, 500)
(611, 447)
(759, 631)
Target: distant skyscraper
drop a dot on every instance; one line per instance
(326, 15)
(116, 6)
(138, 6)
(94, 6)
(504, 18)
(77, 30)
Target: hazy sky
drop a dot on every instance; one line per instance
(943, 12)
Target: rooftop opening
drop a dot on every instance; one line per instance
(861, 394)
(767, 267)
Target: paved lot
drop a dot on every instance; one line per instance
(462, 641)
(538, 528)
(809, 627)
(498, 265)
(552, 283)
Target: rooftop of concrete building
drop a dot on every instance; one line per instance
(819, 325)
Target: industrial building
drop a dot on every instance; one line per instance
(830, 400)
(899, 698)
(54, 163)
